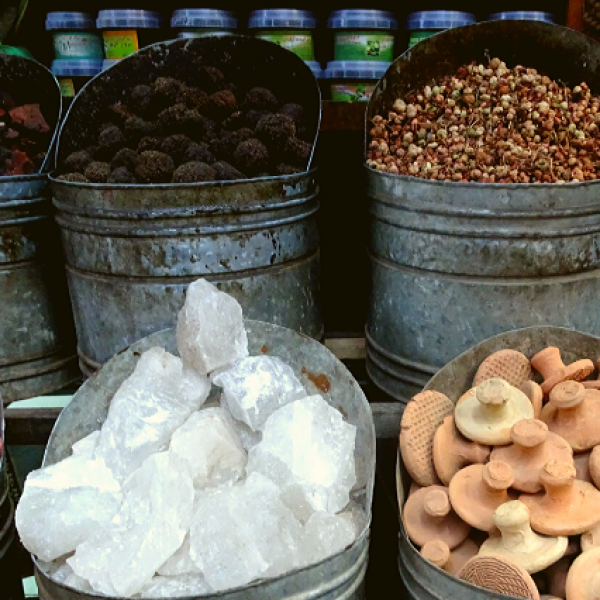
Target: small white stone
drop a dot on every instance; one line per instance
(308, 451)
(210, 328)
(87, 445)
(326, 535)
(172, 587)
(180, 563)
(65, 504)
(211, 448)
(255, 387)
(149, 406)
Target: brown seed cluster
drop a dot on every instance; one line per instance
(491, 124)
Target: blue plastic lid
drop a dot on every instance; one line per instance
(362, 18)
(315, 67)
(127, 17)
(109, 62)
(76, 67)
(204, 17)
(282, 18)
(523, 15)
(78, 21)
(438, 19)
(355, 69)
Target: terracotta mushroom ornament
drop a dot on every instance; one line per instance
(510, 365)
(583, 580)
(534, 392)
(451, 561)
(554, 371)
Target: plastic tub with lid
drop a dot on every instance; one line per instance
(198, 22)
(363, 35)
(316, 68)
(424, 24)
(523, 15)
(74, 35)
(126, 30)
(354, 81)
(290, 28)
(73, 74)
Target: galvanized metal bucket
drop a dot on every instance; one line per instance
(132, 250)
(455, 263)
(422, 579)
(339, 577)
(37, 349)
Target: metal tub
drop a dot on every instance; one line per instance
(339, 577)
(36, 339)
(452, 263)
(423, 580)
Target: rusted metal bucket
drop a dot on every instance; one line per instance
(423, 580)
(340, 576)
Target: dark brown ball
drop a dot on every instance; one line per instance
(222, 105)
(78, 161)
(193, 98)
(193, 172)
(149, 143)
(154, 167)
(275, 130)
(110, 141)
(97, 172)
(136, 128)
(198, 153)
(260, 99)
(166, 90)
(225, 172)
(74, 177)
(295, 111)
(126, 157)
(251, 157)
(252, 117)
(283, 169)
(209, 79)
(141, 98)
(175, 146)
(122, 175)
(297, 153)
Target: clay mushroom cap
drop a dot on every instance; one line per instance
(428, 515)
(510, 365)
(583, 580)
(452, 452)
(519, 543)
(549, 363)
(581, 463)
(533, 446)
(487, 414)
(534, 392)
(594, 466)
(591, 539)
(438, 553)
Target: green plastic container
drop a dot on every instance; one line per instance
(74, 36)
(363, 35)
(354, 81)
(290, 28)
(200, 22)
(424, 24)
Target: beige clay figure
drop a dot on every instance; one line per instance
(581, 462)
(452, 452)
(549, 363)
(594, 466)
(583, 580)
(485, 414)
(533, 446)
(534, 392)
(452, 561)
(593, 384)
(518, 542)
(510, 365)
(591, 539)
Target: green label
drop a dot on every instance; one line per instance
(119, 44)
(67, 87)
(77, 45)
(356, 45)
(298, 42)
(352, 92)
(419, 36)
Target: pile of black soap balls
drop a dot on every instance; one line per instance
(169, 132)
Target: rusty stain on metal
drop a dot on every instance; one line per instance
(321, 380)
(264, 349)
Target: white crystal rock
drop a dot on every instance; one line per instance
(65, 504)
(326, 535)
(180, 563)
(308, 451)
(255, 387)
(149, 406)
(248, 437)
(65, 575)
(211, 448)
(86, 446)
(172, 587)
(210, 328)
(243, 533)
(150, 526)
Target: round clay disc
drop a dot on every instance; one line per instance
(583, 580)
(422, 416)
(499, 575)
(510, 365)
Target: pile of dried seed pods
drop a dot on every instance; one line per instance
(491, 124)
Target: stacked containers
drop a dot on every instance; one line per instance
(72, 75)
(354, 81)
(424, 24)
(198, 22)
(523, 15)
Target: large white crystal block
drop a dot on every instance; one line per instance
(180, 563)
(255, 387)
(211, 448)
(150, 526)
(65, 504)
(65, 575)
(308, 451)
(86, 446)
(243, 533)
(149, 406)
(210, 328)
(326, 535)
(172, 587)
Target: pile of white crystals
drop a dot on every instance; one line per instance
(173, 498)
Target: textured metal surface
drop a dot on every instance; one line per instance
(423, 580)
(453, 263)
(36, 338)
(339, 577)
(132, 252)
(30, 82)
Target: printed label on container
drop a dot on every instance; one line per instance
(351, 45)
(77, 45)
(352, 92)
(298, 42)
(67, 87)
(119, 44)
(419, 36)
